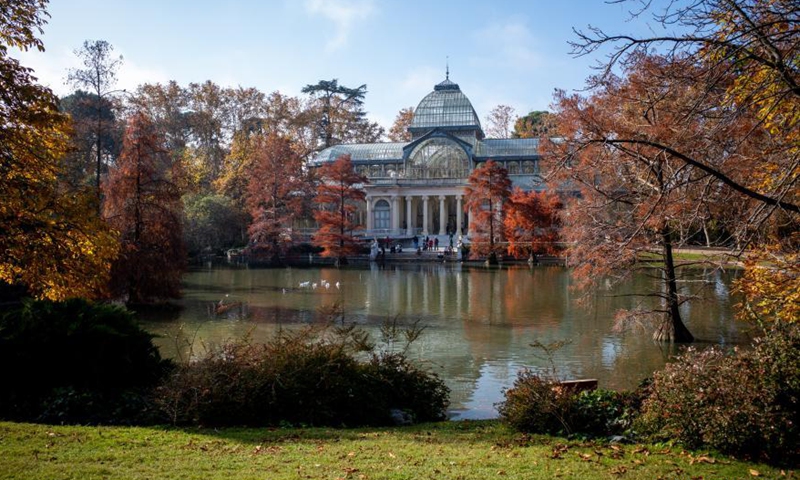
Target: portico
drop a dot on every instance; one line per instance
(405, 212)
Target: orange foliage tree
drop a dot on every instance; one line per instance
(143, 203)
(274, 195)
(338, 191)
(52, 243)
(532, 222)
(485, 198)
(634, 196)
(745, 79)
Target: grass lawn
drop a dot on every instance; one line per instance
(447, 450)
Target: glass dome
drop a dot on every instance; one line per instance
(445, 106)
(438, 158)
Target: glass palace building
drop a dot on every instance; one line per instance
(418, 187)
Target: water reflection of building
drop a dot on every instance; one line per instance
(418, 187)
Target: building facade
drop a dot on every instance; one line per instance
(417, 188)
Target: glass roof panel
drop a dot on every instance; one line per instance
(507, 147)
(446, 106)
(361, 152)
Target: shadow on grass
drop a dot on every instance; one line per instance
(458, 432)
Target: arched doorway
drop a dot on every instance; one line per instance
(381, 215)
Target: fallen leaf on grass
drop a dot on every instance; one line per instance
(755, 473)
(701, 459)
(619, 470)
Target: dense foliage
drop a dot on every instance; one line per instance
(143, 203)
(486, 195)
(51, 241)
(743, 402)
(339, 188)
(312, 377)
(539, 404)
(275, 196)
(75, 361)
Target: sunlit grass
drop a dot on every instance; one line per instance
(474, 450)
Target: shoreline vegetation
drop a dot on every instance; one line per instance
(687, 256)
(456, 449)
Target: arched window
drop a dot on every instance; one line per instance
(381, 215)
(438, 158)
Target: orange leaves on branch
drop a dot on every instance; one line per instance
(338, 194)
(485, 198)
(143, 203)
(771, 287)
(50, 242)
(532, 222)
(274, 194)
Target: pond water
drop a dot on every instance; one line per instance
(479, 322)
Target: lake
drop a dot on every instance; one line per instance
(479, 322)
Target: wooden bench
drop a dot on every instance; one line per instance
(577, 386)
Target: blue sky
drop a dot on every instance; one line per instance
(509, 52)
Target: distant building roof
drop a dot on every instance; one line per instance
(360, 152)
(494, 148)
(445, 112)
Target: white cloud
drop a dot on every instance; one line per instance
(509, 44)
(344, 14)
(51, 69)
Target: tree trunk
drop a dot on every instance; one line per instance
(672, 328)
(705, 233)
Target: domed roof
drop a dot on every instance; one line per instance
(445, 106)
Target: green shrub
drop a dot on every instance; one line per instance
(603, 412)
(401, 385)
(740, 402)
(536, 404)
(310, 378)
(65, 353)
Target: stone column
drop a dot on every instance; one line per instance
(395, 214)
(459, 215)
(369, 214)
(425, 214)
(409, 218)
(442, 215)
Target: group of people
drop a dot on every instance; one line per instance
(426, 244)
(379, 247)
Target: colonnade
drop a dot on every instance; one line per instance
(426, 214)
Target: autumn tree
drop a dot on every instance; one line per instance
(535, 124)
(274, 196)
(143, 203)
(51, 246)
(499, 121)
(167, 105)
(399, 130)
(486, 195)
(338, 192)
(632, 197)
(98, 76)
(715, 117)
(532, 223)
